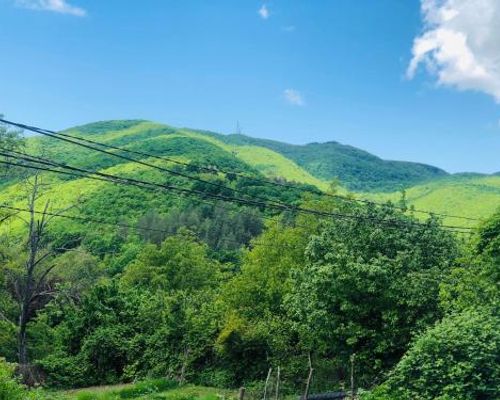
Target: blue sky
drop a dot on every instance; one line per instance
(296, 71)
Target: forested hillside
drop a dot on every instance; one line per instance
(373, 178)
(132, 250)
(358, 170)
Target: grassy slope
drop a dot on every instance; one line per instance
(477, 197)
(266, 161)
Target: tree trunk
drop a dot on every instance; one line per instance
(22, 339)
(29, 287)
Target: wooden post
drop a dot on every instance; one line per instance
(353, 356)
(241, 393)
(184, 366)
(278, 384)
(267, 382)
(309, 378)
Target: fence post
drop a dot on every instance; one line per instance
(267, 382)
(353, 356)
(309, 378)
(241, 393)
(278, 384)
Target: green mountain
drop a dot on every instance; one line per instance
(358, 170)
(316, 164)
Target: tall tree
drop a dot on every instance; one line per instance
(368, 288)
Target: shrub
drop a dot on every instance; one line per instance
(459, 358)
(10, 388)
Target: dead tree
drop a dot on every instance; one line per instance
(29, 284)
(32, 284)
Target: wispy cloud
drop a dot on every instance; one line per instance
(264, 12)
(294, 97)
(460, 44)
(58, 6)
(289, 28)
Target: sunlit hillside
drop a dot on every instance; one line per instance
(474, 196)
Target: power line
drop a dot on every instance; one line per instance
(68, 139)
(151, 185)
(145, 184)
(118, 179)
(87, 176)
(84, 176)
(71, 138)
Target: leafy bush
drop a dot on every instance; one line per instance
(459, 358)
(10, 388)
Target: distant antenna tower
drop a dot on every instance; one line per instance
(238, 132)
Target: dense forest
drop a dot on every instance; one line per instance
(357, 169)
(172, 258)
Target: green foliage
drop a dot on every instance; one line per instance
(368, 289)
(473, 282)
(158, 321)
(10, 139)
(223, 228)
(181, 263)
(10, 389)
(8, 309)
(489, 237)
(456, 359)
(255, 325)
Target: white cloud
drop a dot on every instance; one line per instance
(294, 97)
(289, 28)
(264, 12)
(59, 6)
(460, 44)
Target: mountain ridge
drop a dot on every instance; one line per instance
(357, 169)
(472, 194)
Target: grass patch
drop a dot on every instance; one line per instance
(476, 197)
(151, 389)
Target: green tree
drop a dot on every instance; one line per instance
(255, 330)
(180, 263)
(473, 282)
(369, 288)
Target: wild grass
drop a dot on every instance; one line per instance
(476, 197)
(151, 389)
